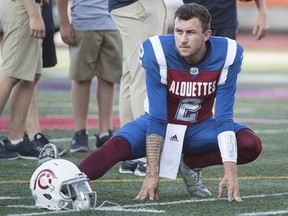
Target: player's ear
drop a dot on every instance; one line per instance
(207, 34)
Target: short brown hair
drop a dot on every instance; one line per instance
(189, 11)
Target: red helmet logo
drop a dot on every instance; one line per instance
(44, 179)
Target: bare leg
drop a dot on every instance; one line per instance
(80, 100)
(20, 102)
(32, 121)
(7, 84)
(105, 97)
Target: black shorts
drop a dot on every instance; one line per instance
(48, 46)
(225, 32)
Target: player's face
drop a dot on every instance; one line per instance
(190, 39)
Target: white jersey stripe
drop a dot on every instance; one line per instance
(160, 57)
(230, 57)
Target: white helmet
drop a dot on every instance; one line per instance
(59, 184)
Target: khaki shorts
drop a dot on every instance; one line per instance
(21, 54)
(96, 53)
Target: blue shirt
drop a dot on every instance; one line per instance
(90, 15)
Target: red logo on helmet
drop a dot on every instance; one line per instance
(44, 179)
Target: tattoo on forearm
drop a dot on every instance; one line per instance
(154, 145)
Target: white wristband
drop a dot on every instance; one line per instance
(228, 146)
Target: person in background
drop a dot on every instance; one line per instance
(136, 21)
(49, 58)
(24, 30)
(95, 48)
(224, 17)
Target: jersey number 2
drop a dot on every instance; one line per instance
(188, 109)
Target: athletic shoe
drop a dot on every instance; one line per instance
(140, 169)
(48, 152)
(193, 181)
(100, 140)
(79, 142)
(40, 140)
(128, 166)
(25, 149)
(5, 154)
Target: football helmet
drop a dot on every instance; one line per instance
(59, 184)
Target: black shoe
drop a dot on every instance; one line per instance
(5, 154)
(40, 140)
(101, 140)
(79, 142)
(128, 166)
(25, 148)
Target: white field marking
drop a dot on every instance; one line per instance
(264, 195)
(201, 200)
(244, 110)
(69, 139)
(8, 198)
(122, 209)
(265, 213)
(129, 208)
(23, 206)
(262, 78)
(40, 213)
(109, 208)
(271, 131)
(263, 121)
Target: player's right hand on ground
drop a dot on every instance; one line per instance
(150, 189)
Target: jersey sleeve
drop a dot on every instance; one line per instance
(156, 90)
(225, 96)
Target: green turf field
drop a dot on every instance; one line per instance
(263, 183)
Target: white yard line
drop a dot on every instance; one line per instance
(265, 213)
(8, 198)
(143, 206)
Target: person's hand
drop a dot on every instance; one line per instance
(67, 34)
(150, 188)
(230, 182)
(37, 27)
(45, 3)
(261, 27)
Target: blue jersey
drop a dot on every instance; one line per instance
(184, 94)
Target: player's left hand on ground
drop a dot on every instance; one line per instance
(150, 188)
(231, 183)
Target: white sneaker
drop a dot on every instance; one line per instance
(140, 169)
(193, 181)
(48, 152)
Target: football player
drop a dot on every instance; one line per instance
(185, 73)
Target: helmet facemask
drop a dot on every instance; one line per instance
(77, 195)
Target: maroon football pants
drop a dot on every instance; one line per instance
(118, 149)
